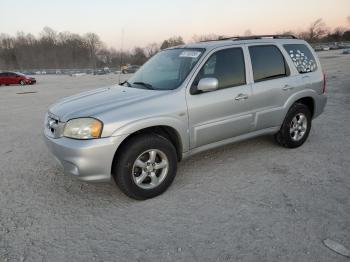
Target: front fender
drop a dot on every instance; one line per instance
(178, 125)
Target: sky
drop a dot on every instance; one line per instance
(150, 21)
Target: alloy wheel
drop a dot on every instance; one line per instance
(150, 169)
(298, 127)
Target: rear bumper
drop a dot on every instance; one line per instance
(320, 105)
(87, 160)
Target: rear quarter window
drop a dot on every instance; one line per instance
(302, 58)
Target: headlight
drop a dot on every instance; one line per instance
(83, 128)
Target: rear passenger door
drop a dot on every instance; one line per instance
(272, 84)
(224, 113)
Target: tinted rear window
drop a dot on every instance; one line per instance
(268, 62)
(302, 57)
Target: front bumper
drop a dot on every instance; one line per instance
(87, 160)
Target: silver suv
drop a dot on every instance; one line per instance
(185, 100)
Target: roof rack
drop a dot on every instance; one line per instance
(264, 36)
(254, 37)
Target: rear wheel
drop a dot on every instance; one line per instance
(296, 127)
(146, 166)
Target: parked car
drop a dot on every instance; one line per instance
(130, 69)
(334, 47)
(183, 101)
(100, 72)
(346, 51)
(14, 78)
(318, 48)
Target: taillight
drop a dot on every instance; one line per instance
(324, 83)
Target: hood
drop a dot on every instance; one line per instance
(96, 102)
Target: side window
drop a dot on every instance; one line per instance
(302, 58)
(267, 62)
(227, 66)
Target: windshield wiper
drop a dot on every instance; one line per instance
(148, 86)
(126, 82)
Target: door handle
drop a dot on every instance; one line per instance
(241, 97)
(287, 87)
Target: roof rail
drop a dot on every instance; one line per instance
(264, 36)
(253, 37)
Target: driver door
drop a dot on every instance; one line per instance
(226, 112)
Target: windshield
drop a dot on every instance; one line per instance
(166, 70)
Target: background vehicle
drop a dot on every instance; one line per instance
(12, 78)
(130, 69)
(346, 51)
(185, 100)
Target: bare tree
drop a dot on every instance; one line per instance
(138, 56)
(49, 34)
(287, 32)
(248, 32)
(93, 44)
(172, 41)
(206, 37)
(151, 49)
(317, 30)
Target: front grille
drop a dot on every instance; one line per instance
(53, 126)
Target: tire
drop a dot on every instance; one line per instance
(127, 171)
(22, 83)
(294, 121)
(124, 72)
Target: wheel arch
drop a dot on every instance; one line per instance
(309, 102)
(168, 132)
(307, 97)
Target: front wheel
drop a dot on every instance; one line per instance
(296, 127)
(22, 83)
(146, 166)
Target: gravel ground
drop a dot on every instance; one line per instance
(250, 201)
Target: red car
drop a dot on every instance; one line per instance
(11, 78)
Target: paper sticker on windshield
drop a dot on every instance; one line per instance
(190, 54)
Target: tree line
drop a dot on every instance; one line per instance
(65, 50)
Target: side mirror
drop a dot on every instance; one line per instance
(208, 84)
